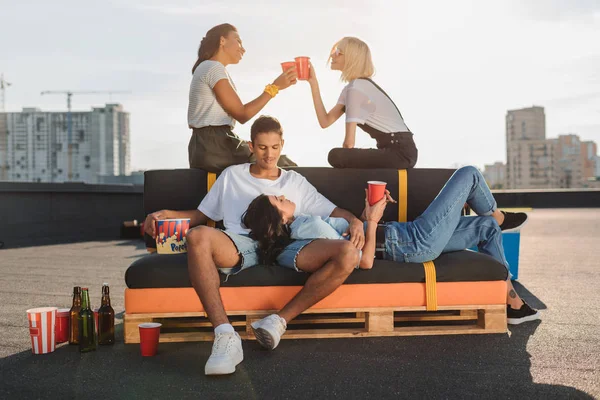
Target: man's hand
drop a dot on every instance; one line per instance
(357, 233)
(150, 222)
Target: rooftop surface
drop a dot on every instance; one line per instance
(558, 357)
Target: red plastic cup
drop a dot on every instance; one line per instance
(96, 319)
(149, 334)
(302, 68)
(287, 65)
(62, 325)
(376, 191)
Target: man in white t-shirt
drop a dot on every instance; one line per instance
(232, 250)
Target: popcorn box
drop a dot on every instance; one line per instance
(171, 236)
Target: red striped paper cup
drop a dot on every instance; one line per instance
(42, 323)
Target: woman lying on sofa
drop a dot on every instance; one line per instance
(440, 229)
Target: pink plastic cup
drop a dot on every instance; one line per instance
(42, 326)
(287, 65)
(62, 325)
(149, 335)
(376, 191)
(302, 68)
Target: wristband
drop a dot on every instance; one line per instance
(271, 90)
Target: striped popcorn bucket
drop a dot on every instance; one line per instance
(171, 235)
(42, 323)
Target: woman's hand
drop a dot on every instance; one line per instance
(374, 213)
(287, 78)
(389, 197)
(312, 75)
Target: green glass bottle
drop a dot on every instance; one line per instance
(106, 319)
(87, 331)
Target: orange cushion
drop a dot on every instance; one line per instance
(177, 300)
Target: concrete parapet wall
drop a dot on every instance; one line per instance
(38, 213)
(559, 198)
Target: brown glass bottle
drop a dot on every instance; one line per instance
(106, 319)
(87, 330)
(74, 316)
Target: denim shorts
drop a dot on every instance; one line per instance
(247, 249)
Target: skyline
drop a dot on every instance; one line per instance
(450, 84)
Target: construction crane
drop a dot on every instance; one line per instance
(3, 86)
(70, 94)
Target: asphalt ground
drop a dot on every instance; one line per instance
(556, 358)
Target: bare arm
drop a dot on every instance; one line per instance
(350, 138)
(196, 218)
(368, 250)
(355, 229)
(326, 119)
(372, 214)
(232, 104)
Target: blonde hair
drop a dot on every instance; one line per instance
(358, 61)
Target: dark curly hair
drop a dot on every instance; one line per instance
(267, 228)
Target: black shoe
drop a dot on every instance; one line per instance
(513, 221)
(523, 314)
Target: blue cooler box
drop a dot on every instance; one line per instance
(511, 242)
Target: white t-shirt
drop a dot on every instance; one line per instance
(235, 189)
(365, 104)
(204, 109)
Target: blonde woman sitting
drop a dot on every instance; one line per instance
(367, 106)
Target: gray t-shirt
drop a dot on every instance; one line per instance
(204, 109)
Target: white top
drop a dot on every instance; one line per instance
(365, 104)
(235, 189)
(204, 109)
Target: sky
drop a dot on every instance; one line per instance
(453, 68)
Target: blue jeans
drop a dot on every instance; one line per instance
(441, 228)
(247, 249)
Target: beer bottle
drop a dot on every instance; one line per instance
(106, 319)
(87, 332)
(74, 316)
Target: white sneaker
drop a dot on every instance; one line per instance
(268, 330)
(226, 354)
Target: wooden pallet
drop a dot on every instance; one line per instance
(334, 323)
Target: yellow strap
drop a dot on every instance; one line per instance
(211, 178)
(430, 286)
(402, 195)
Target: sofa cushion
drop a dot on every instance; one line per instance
(170, 271)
